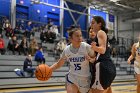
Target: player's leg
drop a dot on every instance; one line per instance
(71, 88)
(137, 71)
(97, 87)
(108, 90)
(138, 82)
(97, 91)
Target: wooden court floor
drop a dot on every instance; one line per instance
(119, 87)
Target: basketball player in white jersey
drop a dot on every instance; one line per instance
(78, 54)
(135, 53)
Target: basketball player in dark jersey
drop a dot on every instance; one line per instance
(104, 70)
(91, 37)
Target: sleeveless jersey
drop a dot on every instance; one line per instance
(107, 54)
(78, 64)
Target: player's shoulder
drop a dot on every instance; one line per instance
(101, 32)
(135, 44)
(67, 47)
(84, 43)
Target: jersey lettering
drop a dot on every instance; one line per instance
(77, 59)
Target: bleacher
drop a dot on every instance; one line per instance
(125, 72)
(8, 78)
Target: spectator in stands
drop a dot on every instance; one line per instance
(28, 30)
(33, 31)
(33, 46)
(13, 45)
(27, 67)
(24, 46)
(43, 36)
(1, 29)
(61, 45)
(6, 23)
(50, 24)
(113, 43)
(9, 32)
(55, 30)
(39, 56)
(2, 49)
(16, 30)
(50, 36)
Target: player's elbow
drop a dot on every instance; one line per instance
(102, 51)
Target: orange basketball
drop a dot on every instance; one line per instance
(43, 72)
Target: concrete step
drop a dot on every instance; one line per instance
(20, 63)
(21, 57)
(12, 74)
(48, 46)
(121, 72)
(30, 82)
(124, 77)
(11, 68)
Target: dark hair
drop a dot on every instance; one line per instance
(99, 19)
(40, 47)
(14, 36)
(88, 30)
(72, 29)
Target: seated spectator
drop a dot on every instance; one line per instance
(19, 72)
(2, 49)
(55, 30)
(27, 67)
(13, 45)
(33, 46)
(39, 56)
(1, 29)
(24, 46)
(16, 30)
(42, 36)
(9, 31)
(6, 23)
(50, 36)
(33, 31)
(60, 46)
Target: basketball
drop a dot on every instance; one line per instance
(43, 72)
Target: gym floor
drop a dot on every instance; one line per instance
(118, 87)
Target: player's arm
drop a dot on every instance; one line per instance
(102, 39)
(60, 62)
(133, 50)
(91, 56)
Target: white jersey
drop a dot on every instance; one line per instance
(79, 65)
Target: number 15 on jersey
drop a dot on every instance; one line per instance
(77, 66)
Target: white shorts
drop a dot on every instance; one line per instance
(97, 84)
(137, 67)
(83, 83)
